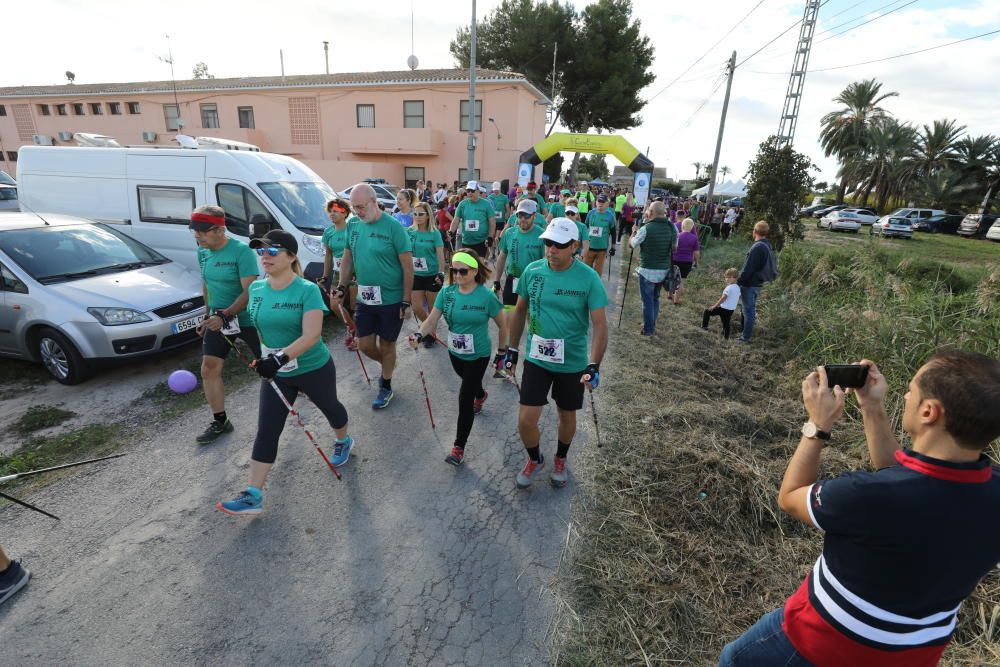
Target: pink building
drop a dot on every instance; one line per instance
(401, 126)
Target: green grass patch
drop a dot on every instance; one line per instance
(38, 417)
(44, 451)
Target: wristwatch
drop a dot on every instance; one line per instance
(810, 430)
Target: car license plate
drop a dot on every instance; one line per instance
(187, 324)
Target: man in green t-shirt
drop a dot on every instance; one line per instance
(584, 199)
(475, 220)
(379, 252)
(620, 200)
(600, 224)
(520, 244)
(531, 192)
(563, 298)
(558, 209)
(501, 206)
(227, 268)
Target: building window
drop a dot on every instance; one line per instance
(96, 108)
(44, 110)
(173, 117)
(366, 115)
(245, 115)
(209, 115)
(463, 177)
(133, 107)
(61, 109)
(12, 156)
(3, 110)
(411, 175)
(463, 121)
(413, 113)
(115, 108)
(78, 109)
(172, 205)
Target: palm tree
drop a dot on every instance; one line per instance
(697, 169)
(724, 170)
(945, 189)
(844, 132)
(888, 166)
(938, 145)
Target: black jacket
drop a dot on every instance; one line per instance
(756, 259)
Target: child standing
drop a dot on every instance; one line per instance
(726, 304)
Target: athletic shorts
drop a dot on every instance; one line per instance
(597, 251)
(213, 343)
(383, 321)
(685, 268)
(425, 283)
(509, 295)
(480, 249)
(567, 390)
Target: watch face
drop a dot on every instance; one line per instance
(809, 430)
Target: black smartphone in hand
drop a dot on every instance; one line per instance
(846, 375)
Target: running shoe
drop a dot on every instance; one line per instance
(385, 395)
(529, 472)
(14, 579)
(215, 430)
(499, 374)
(456, 457)
(477, 404)
(559, 476)
(341, 451)
(245, 504)
(351, 342)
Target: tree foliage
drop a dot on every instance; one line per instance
(778, 179)
(200, 71)
(594, 166)
(553, 168)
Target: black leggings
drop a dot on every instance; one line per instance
(319, 385)
(724, 315)
(471, 373)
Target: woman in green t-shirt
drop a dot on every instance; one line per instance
(287, 311)
(428, 261)
(467, 306)
(335, 240)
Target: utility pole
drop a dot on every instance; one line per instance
(797, 80)
(326, 55)
(722, 126)
(472, 98)
(552, 97)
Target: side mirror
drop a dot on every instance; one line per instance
(261, 224)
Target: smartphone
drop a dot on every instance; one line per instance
(846, 375)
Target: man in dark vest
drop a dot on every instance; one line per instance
(656, 241)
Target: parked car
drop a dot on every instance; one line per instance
(6, 179)
(865, 216)
(838, 222)
(939, 224)
(75, 294)
(385, 194)
(829, 209)
(913, 214)
(994, 233)
(975, 225)
(8, 198)
(898, 227)
(809, 210)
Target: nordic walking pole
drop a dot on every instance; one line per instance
(420, 368)
(628, 274)
(293, 411)
(28, 505)
(10, 478)
(593, 411)
(350, 327)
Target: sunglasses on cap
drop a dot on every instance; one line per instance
(269, 251)
(562, 246)
(462, 272)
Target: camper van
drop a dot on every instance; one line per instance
(149, 193)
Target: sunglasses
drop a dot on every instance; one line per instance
(270, 251)
(562, 246)
(418, 214)
(573, 213)
(522, 214)
(461, 272)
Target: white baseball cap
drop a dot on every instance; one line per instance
(561, 230)
(573, 209)
(527, 206)
(496, 186)
(472, 185)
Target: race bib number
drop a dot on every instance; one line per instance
(335, 264)
(370, 295)
(461, 343)
(472, 225)
(292, 365)
(596, 231)
(232, 328)
(420, 264)
(552, 350)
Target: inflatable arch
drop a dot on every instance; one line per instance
(557, 142)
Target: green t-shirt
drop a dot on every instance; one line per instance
(375, 249)
(599, 226)
(222, 270)
(582, 230)
(336, 240)
(619, 202)
(468, 317)
(425, 245)
(499, 203)
(277, 314)
(559, 305)
(540, 200)
(584, 200)
(522, 248)
(538, 222)
(557, 210)
(475, 217)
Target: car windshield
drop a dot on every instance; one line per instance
(8, 194)
(72, 252)
(6, 179)
(899, 211)
(391, 189)
(304, 204)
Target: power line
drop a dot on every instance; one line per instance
(779, 36)
(844, 11)
(701, 106)
(871, 20)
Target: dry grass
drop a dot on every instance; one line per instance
(679, 545)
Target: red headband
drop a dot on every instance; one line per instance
(211, 219)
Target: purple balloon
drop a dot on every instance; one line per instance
(182, 381)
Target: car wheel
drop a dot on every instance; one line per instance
(60, 357)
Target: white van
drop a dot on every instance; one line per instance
(151, 192)
(912, 214)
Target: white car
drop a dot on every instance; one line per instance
(838, 222)
(913, 214)
(385, 194)
(899, 227)
(994, 233)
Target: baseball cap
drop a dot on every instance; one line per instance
(203, 222)
(602, 197)
(552, 196)
(496, 186)
(573, 209)
(472, 185)
(527, 206)
(565, 192)
(532, 185)
(561, 230)
(277, 238)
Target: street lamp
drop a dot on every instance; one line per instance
(496, 126)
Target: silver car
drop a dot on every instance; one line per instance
(75, 294)
(8, 198)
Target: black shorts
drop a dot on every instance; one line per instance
(383, 321)
(480, 249)
(567, 390)
(509, 295)
(425, 284)
(685, 268)
(214, 344)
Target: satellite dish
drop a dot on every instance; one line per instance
(412, 62)
(186, 142)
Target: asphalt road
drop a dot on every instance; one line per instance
(408, 560)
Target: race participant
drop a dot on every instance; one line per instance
(379, 252)
(600, 228)
(501, 206)
(13, 576)
(584, 199)
(475, 220)
(619, 206)
(288, 312)
(467, 306)
(521, 244)
(537, 218)
(428, 262)
(557, 209)
(560, 295)
(227, 268)
(335, 240)
(444, 219)
(531, 192)
(573, 215)
(404, 207)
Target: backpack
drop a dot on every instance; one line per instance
(769, 271)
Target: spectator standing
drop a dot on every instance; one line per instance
(727, 223)
(656, 240)
(716, 223)
(441, 194)
(686, 256)
(759, 266)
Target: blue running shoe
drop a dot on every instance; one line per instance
(382, 400)
(247, 503)
(341, 452)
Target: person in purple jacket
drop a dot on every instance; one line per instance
(686, 256)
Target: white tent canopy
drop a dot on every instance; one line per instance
(726, 189)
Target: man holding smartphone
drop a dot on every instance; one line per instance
(904, 546)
